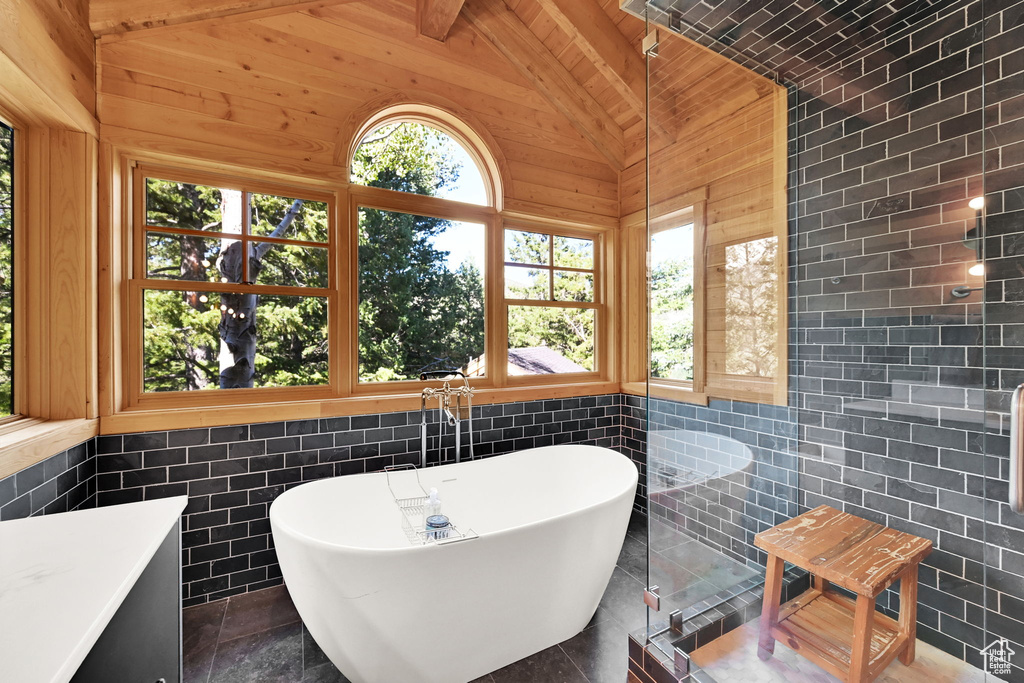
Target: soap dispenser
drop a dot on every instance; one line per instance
(435, 524)
(433, 506)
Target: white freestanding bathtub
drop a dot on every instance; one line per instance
(550, 523)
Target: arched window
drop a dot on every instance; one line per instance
(410, 156)
(421, 263)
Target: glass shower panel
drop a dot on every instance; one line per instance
(1000, 234)
(905, 291)
(721, 463)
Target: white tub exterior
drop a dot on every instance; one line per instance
(550, 521)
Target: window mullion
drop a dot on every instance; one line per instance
(551, 267)
(246, 220)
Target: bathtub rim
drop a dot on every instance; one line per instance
(361, 550)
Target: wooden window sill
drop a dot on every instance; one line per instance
(665, 391)
(162, 419)
(31, 440)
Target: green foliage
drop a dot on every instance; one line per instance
(407, 157)
(569, 331)
(181, 342)
(181, 205)
(671, 303)
(672, 319)
(415, 313)
(6, 270)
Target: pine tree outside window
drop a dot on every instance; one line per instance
(421, 272)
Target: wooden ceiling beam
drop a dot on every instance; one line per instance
(600, 40)
(117, 17)
(512, 38)
(434, 18)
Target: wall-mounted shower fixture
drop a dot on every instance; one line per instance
(445, 414)
(963, 291)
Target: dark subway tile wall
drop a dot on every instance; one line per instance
(800, 39)
(233, 474)
(61, 483)
(899, 419)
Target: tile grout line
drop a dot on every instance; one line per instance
(216, 647)
(573, 662)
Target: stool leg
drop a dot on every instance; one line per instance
(908, 613)
(862, 625)
(770, 607)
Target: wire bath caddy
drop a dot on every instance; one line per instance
(414, 518)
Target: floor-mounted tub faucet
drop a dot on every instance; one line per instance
(444, 396)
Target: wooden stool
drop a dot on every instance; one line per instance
(846, 638)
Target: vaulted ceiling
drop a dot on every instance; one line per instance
(583, 56)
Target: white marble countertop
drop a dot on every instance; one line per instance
(62, 578)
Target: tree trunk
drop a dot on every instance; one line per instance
(237, 329)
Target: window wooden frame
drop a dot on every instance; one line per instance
(745, 387)
(361, 196)
(598, 305)
(137, 283)
(694, 214)
(451, 125)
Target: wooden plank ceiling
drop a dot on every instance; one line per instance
(580, 58)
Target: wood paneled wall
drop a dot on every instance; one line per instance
(47, 61)
(722, 137)
(733, 158)
(47, 93)
(280, 93)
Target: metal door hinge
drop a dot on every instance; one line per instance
(675, 620)
(652, 598)
(650, 44)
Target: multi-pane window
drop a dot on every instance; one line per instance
(551, 302)
(6, 270)
(234, 284)
(421, 270)
(237, 283)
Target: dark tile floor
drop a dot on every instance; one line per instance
(258, 637)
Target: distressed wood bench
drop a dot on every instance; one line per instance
(847, 638)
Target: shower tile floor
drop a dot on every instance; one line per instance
(258, 636)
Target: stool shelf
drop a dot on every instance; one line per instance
(820, 627)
